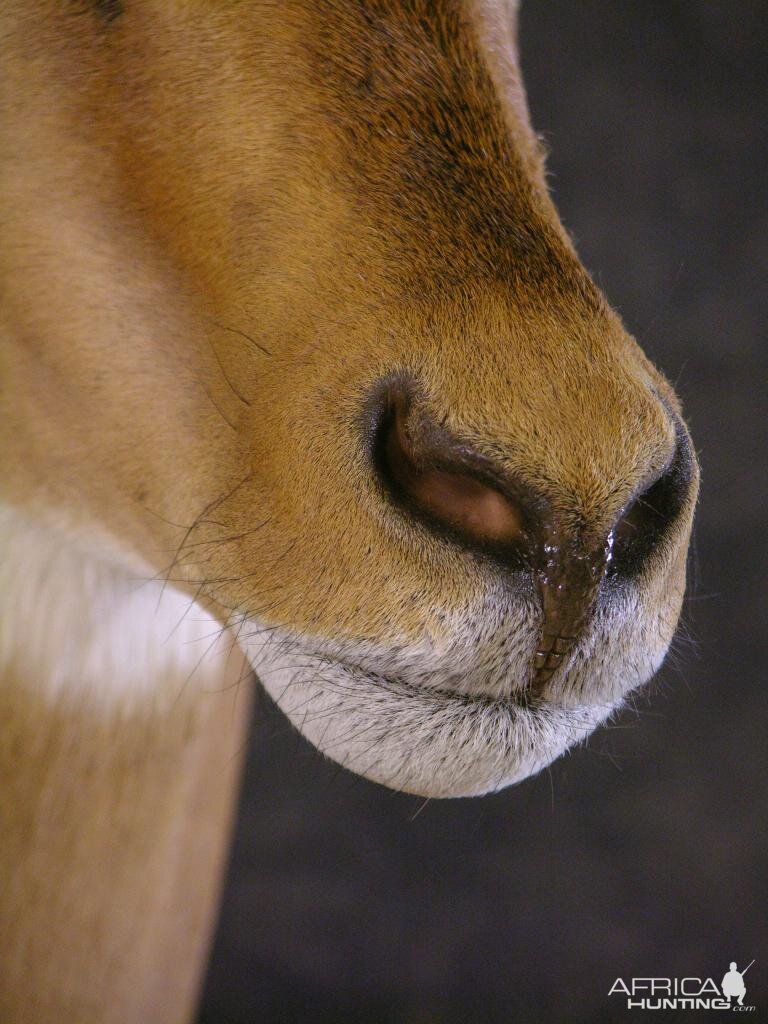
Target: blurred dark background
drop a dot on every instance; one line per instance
(645, 852)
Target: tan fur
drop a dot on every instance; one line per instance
(222, 226)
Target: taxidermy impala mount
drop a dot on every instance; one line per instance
(302, 378)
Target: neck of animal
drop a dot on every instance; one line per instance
(124, 707)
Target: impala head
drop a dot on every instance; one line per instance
(294, 320)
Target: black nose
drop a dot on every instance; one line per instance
(466, 498)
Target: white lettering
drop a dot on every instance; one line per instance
(687, 991)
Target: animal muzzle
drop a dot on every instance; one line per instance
(461, 495)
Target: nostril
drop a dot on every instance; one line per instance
(649, 517)
(439, 480)
(459, 493)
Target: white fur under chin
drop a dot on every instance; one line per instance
(389, 715)
(440, 718)
(427, 742)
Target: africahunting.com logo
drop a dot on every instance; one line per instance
(685, 993)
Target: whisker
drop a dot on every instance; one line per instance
(224, 374)
(242, 334)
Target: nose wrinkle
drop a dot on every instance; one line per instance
(568, 578)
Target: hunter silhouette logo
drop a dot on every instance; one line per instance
(733, 983)
(690, 993)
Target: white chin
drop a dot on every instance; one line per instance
(419, 740)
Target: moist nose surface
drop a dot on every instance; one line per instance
(461, 494)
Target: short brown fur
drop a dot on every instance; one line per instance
(223, 226)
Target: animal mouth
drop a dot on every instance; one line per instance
(420, 739)
(520, 699)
